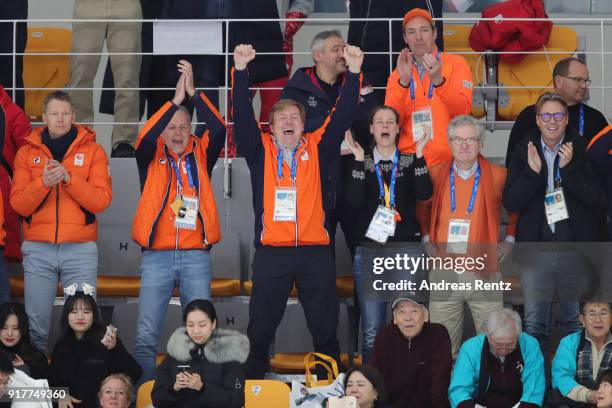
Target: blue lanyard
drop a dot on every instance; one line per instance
(179, 180)
(557, 182)
(453, 203)
(279, 163)
(431, 86)
(581, 120)
(381, 188)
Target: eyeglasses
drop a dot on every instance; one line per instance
(458, 141)
(546, 117)
(579, 80)
(601, 315)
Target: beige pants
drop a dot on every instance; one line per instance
(447, 307)
(120, 37)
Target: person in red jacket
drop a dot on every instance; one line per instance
(61, 181)
(427, 88)
(176, 222)
(5, 287)
(14, 128)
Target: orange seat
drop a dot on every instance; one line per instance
(129, 286)
(248, 289)
(266, 394)
(456, 40)
(45, 71)
(292, 363)
(534, 72)
(345, 286)
(143, 397)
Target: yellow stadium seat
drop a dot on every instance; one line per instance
(533, 71)
(266, 394)
(143, 398)
(456, 39)
(45, 71)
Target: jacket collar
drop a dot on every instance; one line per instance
(224, 346)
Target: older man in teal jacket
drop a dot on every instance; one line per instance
(503, 368)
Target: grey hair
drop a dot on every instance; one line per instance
(463, 120)
(185, 110)
(504, 322)
(319, 39)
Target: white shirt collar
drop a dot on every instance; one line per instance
(466, 174)
(378, 157)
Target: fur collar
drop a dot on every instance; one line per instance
(224, 346)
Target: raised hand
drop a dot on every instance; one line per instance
(185, 68)
(68, 402)
(353, 57)
(533, 158)
(566, 152)
(420, 145)
(404, 66)
(179, 93)
(352, 144)
(243, 54)
(434, 68)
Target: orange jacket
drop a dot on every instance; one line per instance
(452, 98)
(65, 212)
(159, 182)
(491, 187)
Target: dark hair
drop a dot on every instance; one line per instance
(56, 96)
(605, 376)
(549, 97)
(594, 297)
(6, 363)
(371, 120)
(202, 305)
(374, 377)
(562, 66)
(93, 335)
(13, 308)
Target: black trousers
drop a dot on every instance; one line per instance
(275, 270)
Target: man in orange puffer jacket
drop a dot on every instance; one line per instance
(61, 181)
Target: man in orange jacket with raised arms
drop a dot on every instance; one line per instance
(176, 221)
(61, 181)
(427, 88)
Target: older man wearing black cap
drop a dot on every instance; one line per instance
(414, 356)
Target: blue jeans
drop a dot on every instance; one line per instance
(564, 272)
(44, 264)
(373, 314)
(160, 272)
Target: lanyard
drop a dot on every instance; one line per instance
(581, 120)
(279, 162)
(381, 187)
(557, 168)
(179, 180)
(431, 86)
(474, 191)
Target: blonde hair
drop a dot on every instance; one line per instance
(286, 103)
(121, 377)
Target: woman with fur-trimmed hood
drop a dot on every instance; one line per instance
(204, 366)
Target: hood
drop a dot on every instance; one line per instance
(84, 134)
(223, 347)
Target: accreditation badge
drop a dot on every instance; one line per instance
(422, 124)
(382, 225)
(555, 206)
(187, 214)
(458, 235)
(285, 204)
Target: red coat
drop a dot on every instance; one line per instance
(16, 127)
(512, 35)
